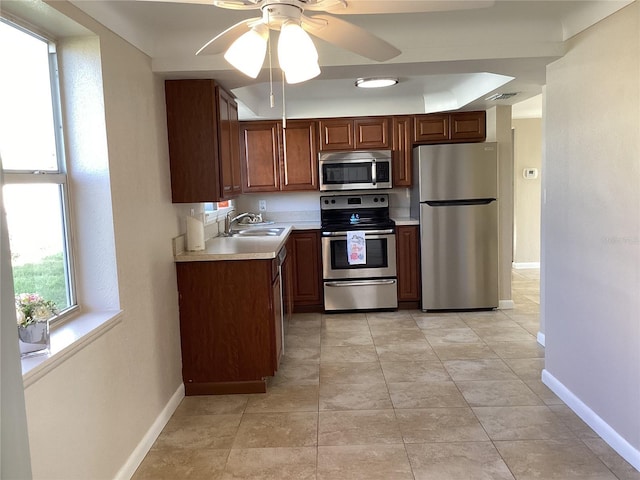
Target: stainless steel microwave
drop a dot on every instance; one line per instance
(355, 170)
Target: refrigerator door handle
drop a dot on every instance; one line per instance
(454, 203)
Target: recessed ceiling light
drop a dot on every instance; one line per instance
(376, 82)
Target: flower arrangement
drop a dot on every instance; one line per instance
(32, 308)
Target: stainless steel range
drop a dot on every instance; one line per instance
(358, 253)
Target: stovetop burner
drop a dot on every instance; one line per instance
(355, 212)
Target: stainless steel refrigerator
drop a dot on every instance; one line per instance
(455, 195)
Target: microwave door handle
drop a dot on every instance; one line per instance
(374, 173)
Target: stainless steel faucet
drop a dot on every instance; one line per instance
(228, 221)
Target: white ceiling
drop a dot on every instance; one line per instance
(446, 62)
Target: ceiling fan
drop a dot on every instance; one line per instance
(245, 43)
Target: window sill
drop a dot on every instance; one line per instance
(67, 339)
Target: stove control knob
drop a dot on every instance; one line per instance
(375, 199)
(333, 201)
(382, 199)
(326, 202)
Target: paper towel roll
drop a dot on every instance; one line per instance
(195, 234)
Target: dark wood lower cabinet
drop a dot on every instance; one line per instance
(408, 265)
(230, 325)
(307, 271)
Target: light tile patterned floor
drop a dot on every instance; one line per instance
(394, 396)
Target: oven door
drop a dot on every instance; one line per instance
(380, 256)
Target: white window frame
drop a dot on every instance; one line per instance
(53, 177)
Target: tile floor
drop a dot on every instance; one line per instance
(394, 396)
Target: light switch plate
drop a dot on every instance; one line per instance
(262, 205)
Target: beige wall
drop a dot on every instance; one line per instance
(88, 415)
(527, 154)
(499, 130)
(591, 239)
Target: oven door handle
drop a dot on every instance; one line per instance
(387, 231)
(360, 283)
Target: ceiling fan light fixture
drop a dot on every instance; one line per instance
(297, 54)
(378, 82)
(248, 51)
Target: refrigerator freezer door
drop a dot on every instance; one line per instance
(457, 172)
(459, 256)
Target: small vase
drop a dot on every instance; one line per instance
(34, 339)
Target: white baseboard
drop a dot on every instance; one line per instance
(521, 265)
(506, 305)
(608, 434)
(138, 454)
(541, 338)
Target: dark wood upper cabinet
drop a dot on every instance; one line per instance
(362, 133)
(202, 129)
(431, 128)
(336, 134)
(468, 126)
(299, 158)
(372, 133)
(450, 127)
(275, 159)
(402, 145)
(229, 143)
(260, 153)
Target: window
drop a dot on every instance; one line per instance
(213, 211)
(35, 192)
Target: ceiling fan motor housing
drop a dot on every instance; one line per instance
(275, 13)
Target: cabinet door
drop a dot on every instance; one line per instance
(192, 130)
(228, 144)
(226, 335)
(408, 261)
(307, 272)
(336, 134)
(431, 128)
(277, 319)
(287, 281)
(468, 126)
(260, 156)
(236, 169)
(371, 133)
(402, 145)
(299, 160)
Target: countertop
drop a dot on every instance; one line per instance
(256, 248)
(244, 248)
(404, 221)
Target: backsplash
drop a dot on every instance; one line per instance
(281, 207)
(305, 206)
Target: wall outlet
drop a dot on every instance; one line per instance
(262, 205)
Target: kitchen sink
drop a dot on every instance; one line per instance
(257, 232)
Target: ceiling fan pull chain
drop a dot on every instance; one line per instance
(272, 99)
(284, 110)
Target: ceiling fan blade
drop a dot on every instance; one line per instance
(223, 41)
(350, 37)
(201, 2)
(234, 4)
(359, 7)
